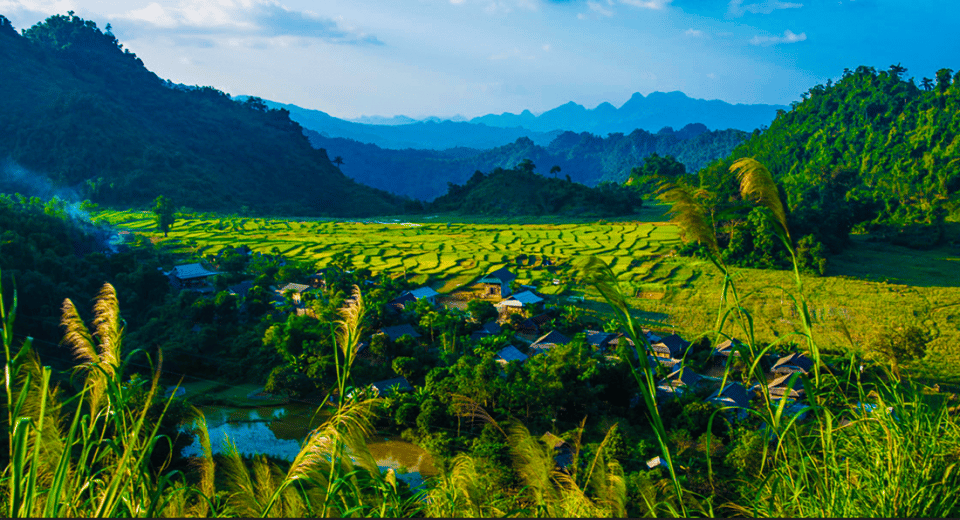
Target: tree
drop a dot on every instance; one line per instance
(927, 84)
(163, 209)
(555, 170)
(338, 160)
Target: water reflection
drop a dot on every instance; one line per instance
(278, 431)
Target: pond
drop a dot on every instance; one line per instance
(277, 431)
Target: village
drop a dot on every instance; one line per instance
(523, 323)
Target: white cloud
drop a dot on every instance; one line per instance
(788, 37)
(736, 8)
(599, 8)
(648, 4)
(546, 47)
(694, 33)
(47, 7)
(243, 21)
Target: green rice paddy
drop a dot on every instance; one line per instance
(869, 286)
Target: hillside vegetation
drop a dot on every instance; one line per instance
(873, 152)
(586, 158)
(83, 111)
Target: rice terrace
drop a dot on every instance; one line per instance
(869, 286)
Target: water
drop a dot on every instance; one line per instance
(277, 431)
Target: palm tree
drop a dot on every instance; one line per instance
(338, 161)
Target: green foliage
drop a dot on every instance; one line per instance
(872, 149)
(523, 192)
(163, 209)
(85, 112)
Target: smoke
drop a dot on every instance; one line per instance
(91, 237)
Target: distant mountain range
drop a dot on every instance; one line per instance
(651, 113)
(584, 157)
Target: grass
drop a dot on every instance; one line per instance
(869, 286)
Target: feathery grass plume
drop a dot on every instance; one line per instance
(100, 365)
(757, 183)
(205, 466)
(242, 498)
(689, 214)
(469, 409)
(456, 494)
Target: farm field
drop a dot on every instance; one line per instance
(868, 287)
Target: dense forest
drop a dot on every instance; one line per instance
(86, 113)
(522, 191)
(872, 153)
(586, 158)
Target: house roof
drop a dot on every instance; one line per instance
(779, 386)
(598, 338)
(669, 363)
(510, 353)
(656, 461)
(799, 361)
(190, 271)
(682, 376)
(672, 344)
(536, 321)
(521, 299)
(398, 331)
(734, 394)
(502, 275)
(490, 327)
(423, 292)
(551, 338)
(295, 287)
(241, 289)
(726, 348)
(388, 386)
(403, 298)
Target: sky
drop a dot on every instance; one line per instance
(473, 57)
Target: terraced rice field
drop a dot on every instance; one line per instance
(869, 286)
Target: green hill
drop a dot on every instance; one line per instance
(521, 191)
(894, 144)
(86, 113)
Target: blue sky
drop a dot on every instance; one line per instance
(473, 57)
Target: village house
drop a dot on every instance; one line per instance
(518, 302)
(192, 277)
(497, 283)
(600, 341)
(508, 354)
(677, 382)
(241, 289)
(398, 331)
(793, 363)
(534, 326)
(672, 346)
(295, 290)
(548, 341)
(722, 352)
(787, 385)
(317, 280)
(563, 452)
(400, 303)
(489, 329)
(388, 387)
(732, 395)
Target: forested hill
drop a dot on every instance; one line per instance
(79, 109)
(584, 157)
(521, 191)
(898, 143)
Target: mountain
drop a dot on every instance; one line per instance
(887, 150)
(520, 191)
(584, 157)
(429, 134)
(651, 113)
(80, 112)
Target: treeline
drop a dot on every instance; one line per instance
(872, 153)
(587, 158)
(83, 111)
(521, 191)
